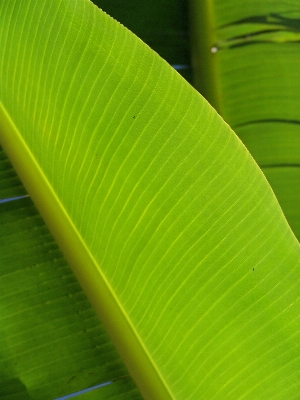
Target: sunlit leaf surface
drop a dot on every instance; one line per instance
(166, 220)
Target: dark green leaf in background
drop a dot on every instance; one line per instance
(51, 341)
(256, 85)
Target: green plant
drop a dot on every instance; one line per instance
(251, 77)
(166, 220)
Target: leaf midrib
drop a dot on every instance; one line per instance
(88, 272)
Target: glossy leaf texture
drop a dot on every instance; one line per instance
(254, 58)
(165, 218)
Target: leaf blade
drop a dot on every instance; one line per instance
(171, 186)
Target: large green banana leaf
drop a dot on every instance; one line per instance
(166, 220)
(251, 75)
